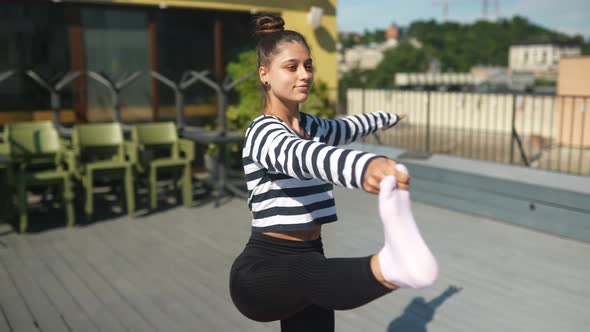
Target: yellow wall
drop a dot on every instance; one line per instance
(321, 40)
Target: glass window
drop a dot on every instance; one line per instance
(116, 43)
(33, 36)
(185, 41)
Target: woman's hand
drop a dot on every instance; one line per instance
(379, 168)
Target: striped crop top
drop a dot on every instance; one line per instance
(290, 178)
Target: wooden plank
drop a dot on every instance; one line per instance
(127, 281)
(78, 288)
(45, 315)
(151, 265)
(64, 303)
(180, 259)
(4, 326)
(14, 307)
(159, 283)
(514, 271)
(118, 306)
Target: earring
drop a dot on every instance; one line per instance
(266, 83)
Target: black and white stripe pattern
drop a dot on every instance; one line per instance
(290, 178)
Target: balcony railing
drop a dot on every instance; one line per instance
(545, 132)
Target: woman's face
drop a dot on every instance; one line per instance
(290, 74)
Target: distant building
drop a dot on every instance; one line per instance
(349, 35)
(360, 57)
(573, 77)
(426, 80)
(540, 57)
(574, 104)
(365, 57)
(392, 33)
(500, 79)
(481, 78)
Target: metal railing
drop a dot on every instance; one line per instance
(537, 131)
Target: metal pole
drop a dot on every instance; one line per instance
(55, 107)
(428, 121)
(179, 101)
(513, 128)
(54, 95)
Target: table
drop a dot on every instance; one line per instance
(6, 210)
(220, 138)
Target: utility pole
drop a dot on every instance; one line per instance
(445, 8)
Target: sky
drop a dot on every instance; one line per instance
(567, 16)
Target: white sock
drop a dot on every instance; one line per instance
(405, 259)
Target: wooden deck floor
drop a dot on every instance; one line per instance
(169, 272)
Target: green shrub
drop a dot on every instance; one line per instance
(249, 106)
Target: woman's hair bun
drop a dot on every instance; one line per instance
(268, 23)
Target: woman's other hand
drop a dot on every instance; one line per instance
(379, 168)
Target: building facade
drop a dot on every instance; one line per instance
(121, 37)
(539, 57)
(573, 108)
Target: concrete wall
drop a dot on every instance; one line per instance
(549, 202)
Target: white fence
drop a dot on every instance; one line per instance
(541, 131)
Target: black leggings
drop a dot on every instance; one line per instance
(292, 281)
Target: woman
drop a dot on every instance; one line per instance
(291, 163)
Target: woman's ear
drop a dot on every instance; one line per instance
(263, 74)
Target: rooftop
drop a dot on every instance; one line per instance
(169, 271)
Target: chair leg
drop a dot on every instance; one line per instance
(153, 188)
(68, 196)
(22, 205)
(89, 202)
(129, 191)
(187, 186)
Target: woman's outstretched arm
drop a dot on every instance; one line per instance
(337, 132)
(272, 145)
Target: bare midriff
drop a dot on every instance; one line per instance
(303, 235)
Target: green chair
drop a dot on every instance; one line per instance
(160, 150)
(102, 153)
(6, 172)
(38, 159)
(36, 125)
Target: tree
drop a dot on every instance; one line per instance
(355, 78)
(403, 58)
(249, 104)
(461, 46)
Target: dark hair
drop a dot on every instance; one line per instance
(271, 31)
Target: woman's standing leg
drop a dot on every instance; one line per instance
(310, 319)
